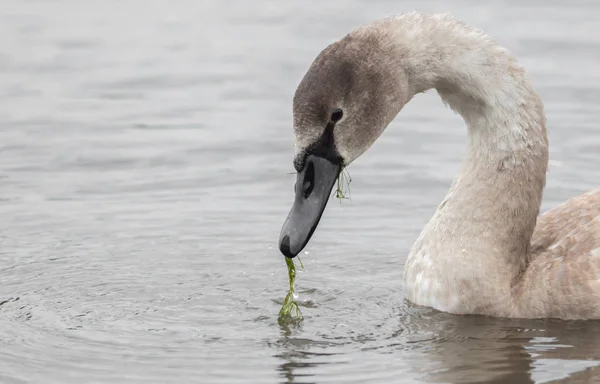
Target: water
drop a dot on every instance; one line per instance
(144, 157)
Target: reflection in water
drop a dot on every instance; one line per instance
(444, 348)
(291, 370)
(476, 349)
(295, 361)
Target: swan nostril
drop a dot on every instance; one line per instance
(307, 188)
(309, 180)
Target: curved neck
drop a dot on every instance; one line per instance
(492, 206)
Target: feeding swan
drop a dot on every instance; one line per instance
(485, 250)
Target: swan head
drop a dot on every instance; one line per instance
(348, 96)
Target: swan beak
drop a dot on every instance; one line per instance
(313, 187)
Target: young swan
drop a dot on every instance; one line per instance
(481, 252)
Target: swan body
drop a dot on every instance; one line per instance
(486, 250)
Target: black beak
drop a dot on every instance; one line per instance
(313, 187)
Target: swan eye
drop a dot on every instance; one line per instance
(336, 115)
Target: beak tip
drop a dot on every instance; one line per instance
(284, 247)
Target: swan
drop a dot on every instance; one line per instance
(486, 250)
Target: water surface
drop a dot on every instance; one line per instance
(145, 151)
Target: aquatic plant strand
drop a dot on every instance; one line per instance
(290, 311)
(342, 190)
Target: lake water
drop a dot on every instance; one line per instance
(145, 152)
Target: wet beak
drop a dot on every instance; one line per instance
(313, 188)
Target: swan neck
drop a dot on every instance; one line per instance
(493, 203)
